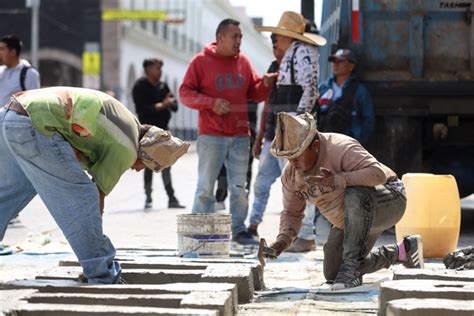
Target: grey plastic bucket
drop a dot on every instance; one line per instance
(204, 235)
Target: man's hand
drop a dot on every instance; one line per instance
(279, 246)
(325, 178)
(221, 107)
(168, 102)
(257, 147)
(269, 78)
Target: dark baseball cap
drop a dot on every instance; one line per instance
(343, 54)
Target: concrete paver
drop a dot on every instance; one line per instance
(393, 290)
(430, 307)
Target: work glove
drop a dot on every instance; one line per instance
(278, 246)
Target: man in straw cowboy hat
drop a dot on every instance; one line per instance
(48, 136)
(358, 195)
(219, 83)
(297, 92)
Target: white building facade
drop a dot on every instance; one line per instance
(126, 44)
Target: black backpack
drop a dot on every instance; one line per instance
(338, 117)
(23, 77)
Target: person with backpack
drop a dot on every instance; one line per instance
(296, 92)
(345, 107)
(15, 74)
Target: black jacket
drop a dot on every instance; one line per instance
(145, 95)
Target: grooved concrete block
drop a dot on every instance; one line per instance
(66, 286)
(222, 301)
(26, 309)
(393, 290)
(428, 274)
(150, 300)
(184, 264)
(429, 307)
(148, 264)
(238, 274)
(132, 276)
(256, 267)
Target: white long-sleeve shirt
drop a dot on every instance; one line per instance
(306, 71)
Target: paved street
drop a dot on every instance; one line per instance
(288, 279)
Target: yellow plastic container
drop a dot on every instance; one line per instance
(433, 211)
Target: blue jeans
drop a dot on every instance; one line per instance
(30, 164)
(307, 226)
(269, 169)
(213, 151)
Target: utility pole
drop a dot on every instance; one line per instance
(307, 9)
(34, 5)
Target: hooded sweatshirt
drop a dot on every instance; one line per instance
(211, 76)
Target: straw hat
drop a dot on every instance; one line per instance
(293, 135)
(158, 149)
(293, 24)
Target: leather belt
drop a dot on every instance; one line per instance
(15, 106)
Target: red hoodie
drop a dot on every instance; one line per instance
(211, 76)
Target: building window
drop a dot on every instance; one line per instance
(165, 31)
(175, 38)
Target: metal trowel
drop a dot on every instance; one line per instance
(265, 252)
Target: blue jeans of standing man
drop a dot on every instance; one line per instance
(213, 151)
(30, 164)
(269, 169)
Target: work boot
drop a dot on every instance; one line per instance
(347, 277)
(414, 249)
(302, 245)
(148, 202)
(174, 203)
(244, 238)
(252, 231)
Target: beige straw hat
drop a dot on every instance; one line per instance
(293, 134)
(292, 24)
(159, 149)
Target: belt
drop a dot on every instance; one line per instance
(15, 106)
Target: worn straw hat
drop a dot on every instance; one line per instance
(159, 149)
(293, 135)
(293, 24)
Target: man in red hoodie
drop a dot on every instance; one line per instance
(219, 82)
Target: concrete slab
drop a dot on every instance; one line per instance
(148, 264)
(132, 276)
(430, 274)
(222, 301)
(26, 309)
(255, 266)
(182, 264)
(61, 286)
(238, 274)
(393, 290)
(429, 307)
(150, 300)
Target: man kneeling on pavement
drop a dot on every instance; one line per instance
(357, 194)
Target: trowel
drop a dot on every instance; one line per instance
(265, 252)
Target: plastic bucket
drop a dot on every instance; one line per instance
(433, 211)
(204, 235)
